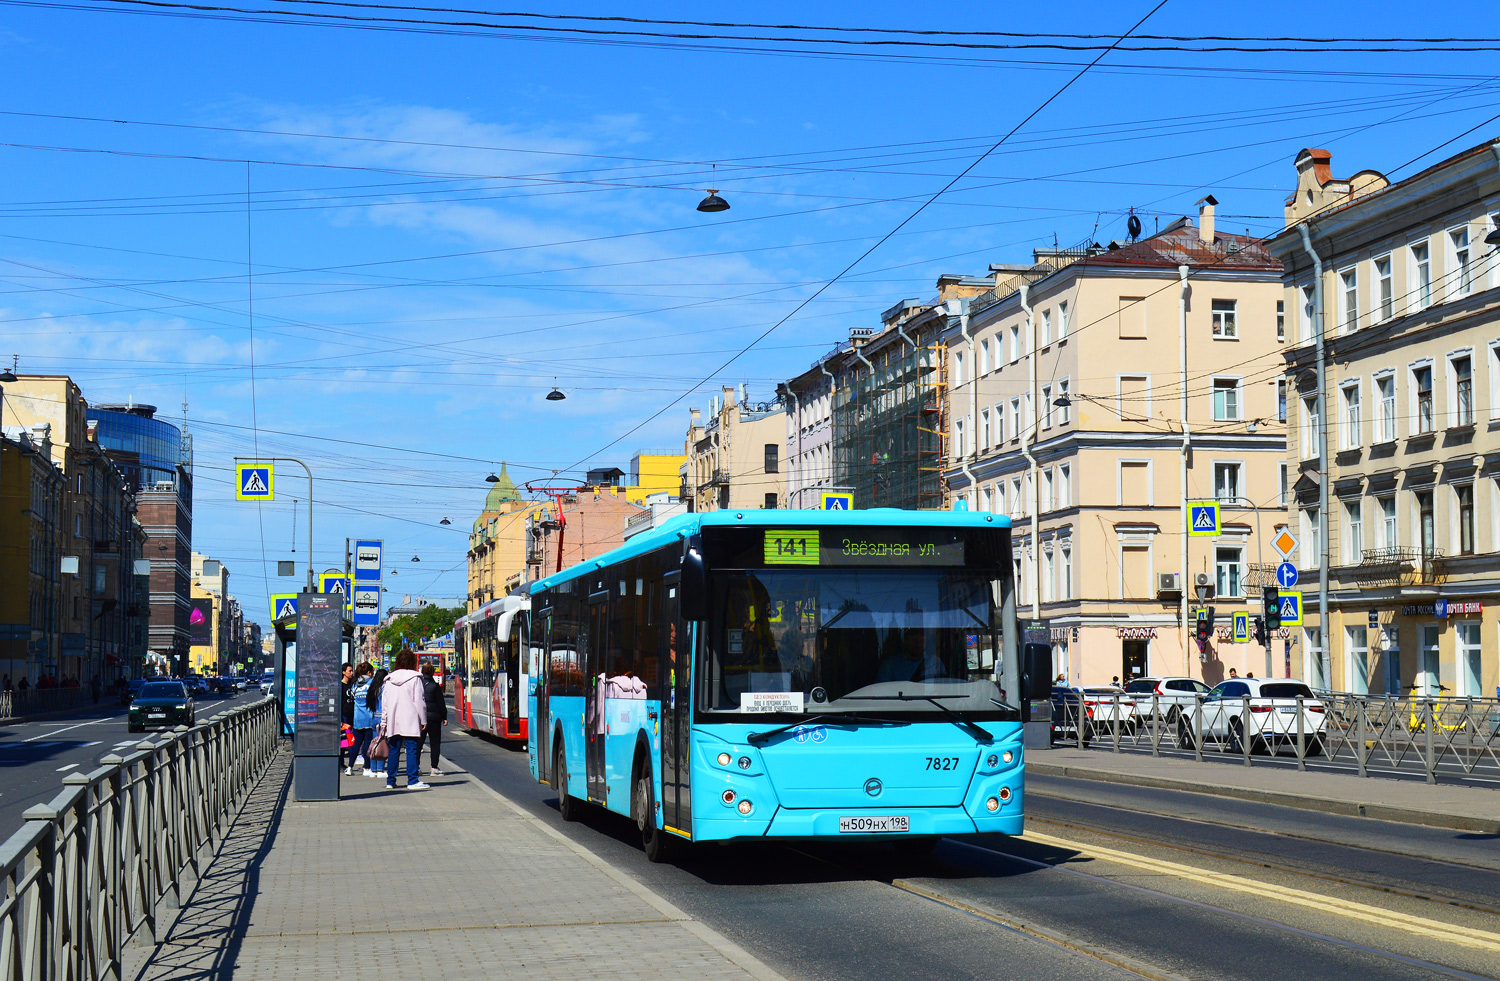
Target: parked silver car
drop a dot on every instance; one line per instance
(1263, 710)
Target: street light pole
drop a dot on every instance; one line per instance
(291, 459)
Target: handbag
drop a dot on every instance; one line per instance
(380, 748)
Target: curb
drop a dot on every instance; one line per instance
(728, 949)
(1305, 802)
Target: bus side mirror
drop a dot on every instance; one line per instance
(1036, 667)
(694, 585)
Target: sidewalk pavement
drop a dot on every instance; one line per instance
(452, 882)
(1457, 808)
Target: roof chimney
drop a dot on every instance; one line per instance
(1206, 219)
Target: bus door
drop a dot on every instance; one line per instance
(675, 715)
(541, 674)
(593, 713)
(515, 653)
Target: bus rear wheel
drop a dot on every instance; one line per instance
(653, 839)
(566, 805)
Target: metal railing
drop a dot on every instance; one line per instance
(87, 871)
(1429, 735)
(37, 701)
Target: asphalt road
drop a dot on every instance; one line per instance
(1120, 882)
(35, 756)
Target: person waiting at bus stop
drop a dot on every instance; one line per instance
(363, 722)
(403, 709)
(437, 717)
(912, 662)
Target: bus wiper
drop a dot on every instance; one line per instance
(979, 734)
(756, 738)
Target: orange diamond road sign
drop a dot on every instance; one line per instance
(1286, 543)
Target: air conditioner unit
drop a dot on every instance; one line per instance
(1200, 579)
(1168, 582)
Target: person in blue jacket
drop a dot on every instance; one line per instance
(364, 718)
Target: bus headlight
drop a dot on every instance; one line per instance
(744, 762)
(992, 804)
(1007, 756)
(993, 761)
(746, 807)
(723, 759)
(728, 796)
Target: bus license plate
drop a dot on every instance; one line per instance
(873, 825)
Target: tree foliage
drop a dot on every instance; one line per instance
(413, 629)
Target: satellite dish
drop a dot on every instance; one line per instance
(1133, 224)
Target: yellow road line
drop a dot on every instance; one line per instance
(1421, 926)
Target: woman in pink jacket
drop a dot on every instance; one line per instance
(403, 711)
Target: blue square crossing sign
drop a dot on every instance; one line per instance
(1291, 608)
(254, 482)
(1203, 518)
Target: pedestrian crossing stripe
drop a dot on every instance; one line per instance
(1291, 609)
(254, 482)
(1203, 518)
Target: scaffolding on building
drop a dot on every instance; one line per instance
(890, 425)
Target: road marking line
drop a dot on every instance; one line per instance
(68, 767)
(1358, 911)
(96, 742)
(66, 728)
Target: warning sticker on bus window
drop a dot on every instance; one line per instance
(771, 701)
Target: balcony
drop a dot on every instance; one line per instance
(719, 478)
(1396, 566)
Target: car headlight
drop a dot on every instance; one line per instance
(183, 705)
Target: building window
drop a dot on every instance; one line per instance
(1312, 643)
(1046, 406)
(1015, 418)
(1426, 527)
(1386, 385)
(1357, 657)
(1281, 400)
(1281, 321)
(770, 500)
(1354, 526)
(1132, 317)
(1281, 483)
(1064, 411)
(1421, 275)
(1465, 495)
(959, 446)
(1463, 390)
(1065, 485)
(1226, 399)
(999, 423)
(1385, 295)
(1469, 661)
(1227, 566)
(1227, 481)
(1309, 313)
(1048, 487)
(1223, 314)
(1134, 397)
(1066, 581)
(1062, 319)
(1349, 291)
(1388, 537)
(1015, 342)
(1351, 416)
(984, 429)
(1030, 412)
(1461, 277)
(958, 367)
(773, 458)
(1421, 380)
(1427, 670)
(987, 500)
(999, 497)
(1048, 575)
(1046, 337)
(1310, 427)
(1312, 533)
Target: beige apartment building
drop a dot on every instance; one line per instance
(1403, 510)
(1090, 398)
(497, 541)
(734, 458)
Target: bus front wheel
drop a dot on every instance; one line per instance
(653, 839)
(566, 805)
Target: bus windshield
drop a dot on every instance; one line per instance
(852, 640)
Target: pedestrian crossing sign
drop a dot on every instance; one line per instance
(254, 482)
(1242, 628)
(1203, 517)
(283, 605)
(330, 582)
(837, 501)
(1291, 608)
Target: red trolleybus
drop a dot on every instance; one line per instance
(489, 680)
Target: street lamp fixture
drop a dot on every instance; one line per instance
(556, 394)
(713, 202)
(492, 479)
(415, 559)
(1062, 401)
(445, 521)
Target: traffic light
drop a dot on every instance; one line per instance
(1205, 625)
(1258, 626)
(1271, 599)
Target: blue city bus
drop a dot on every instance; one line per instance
(738, 675)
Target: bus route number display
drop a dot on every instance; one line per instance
(864, 547)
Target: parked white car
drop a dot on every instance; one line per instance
(1110, 708)
(1173, 696)
(1263, 710)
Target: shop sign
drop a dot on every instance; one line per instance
(1442, 608)
(1136, 633)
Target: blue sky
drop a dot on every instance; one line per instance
(440, 225)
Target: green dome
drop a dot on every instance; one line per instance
(502, 492)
